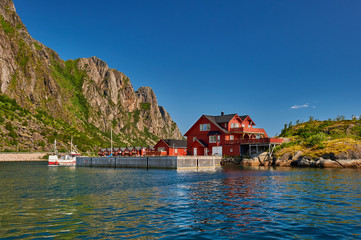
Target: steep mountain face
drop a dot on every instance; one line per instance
(82, 97)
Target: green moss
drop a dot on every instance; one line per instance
(37, 46)
(136, 116)
(71, 78)
(114, 122)
(145, 106)
(24, 55)
(8, 29)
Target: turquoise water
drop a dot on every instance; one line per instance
(37, 201)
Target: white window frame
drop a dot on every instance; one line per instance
(205, 127)
(213, 139)
(231, 137)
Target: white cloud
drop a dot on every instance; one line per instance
(300, 106)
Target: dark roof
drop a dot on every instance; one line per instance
(213, 119)
(243, 117)
(224, 118)
(217, 120)
(202, 142)
(212, 133)
(176, 143)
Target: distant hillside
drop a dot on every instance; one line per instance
(43, 98)
(331, 139)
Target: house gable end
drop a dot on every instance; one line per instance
(207, 119)
(198, 143)
(193, 126)
(161, 143)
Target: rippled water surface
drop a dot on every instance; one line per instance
(37, 201)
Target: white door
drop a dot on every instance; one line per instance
(217, 151)
(195, 151)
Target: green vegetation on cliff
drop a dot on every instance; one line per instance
(318, 138)
(43, 98)
(20, 130)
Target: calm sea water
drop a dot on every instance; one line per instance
(37, 201)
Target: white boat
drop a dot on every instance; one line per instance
(63, 159)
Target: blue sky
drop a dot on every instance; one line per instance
(277, 61)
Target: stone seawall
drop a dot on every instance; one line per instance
(299, 162)
(168, 162)
(9, 157)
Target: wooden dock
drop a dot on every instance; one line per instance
(166, 162)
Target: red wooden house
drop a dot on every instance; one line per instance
(229, 135)
(171, 147)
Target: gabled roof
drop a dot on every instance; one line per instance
(217, 120)
(201, 142)
(243, 117)
(213, 119)
(224, 118)
(176, 143)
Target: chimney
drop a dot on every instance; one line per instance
(222, 113)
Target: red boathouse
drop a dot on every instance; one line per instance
(229, 135)
(170, 147)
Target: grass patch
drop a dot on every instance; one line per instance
(6, 26)
(37, 46)
(315, 138)
(145, 106)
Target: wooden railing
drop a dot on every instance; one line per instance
(250, 141)
(156, 153)
(244, 129)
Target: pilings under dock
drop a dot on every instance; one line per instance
(167, 162)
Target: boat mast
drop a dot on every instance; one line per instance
(71, 145)
(111, 140)
(55, 146)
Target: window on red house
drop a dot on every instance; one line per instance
(212, 139)
(205, 127)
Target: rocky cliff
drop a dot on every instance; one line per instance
(57, 99)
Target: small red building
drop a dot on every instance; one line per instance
(229, 135)
(171, 147)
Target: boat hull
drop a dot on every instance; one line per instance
(62, 161)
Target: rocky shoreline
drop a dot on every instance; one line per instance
(12, 157)
(292, 161)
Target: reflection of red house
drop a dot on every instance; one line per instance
(171, 147)
(229, 135)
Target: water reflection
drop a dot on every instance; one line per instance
(37, 201)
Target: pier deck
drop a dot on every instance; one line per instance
(168, 162)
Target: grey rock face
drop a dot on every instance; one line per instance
(33, 75)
